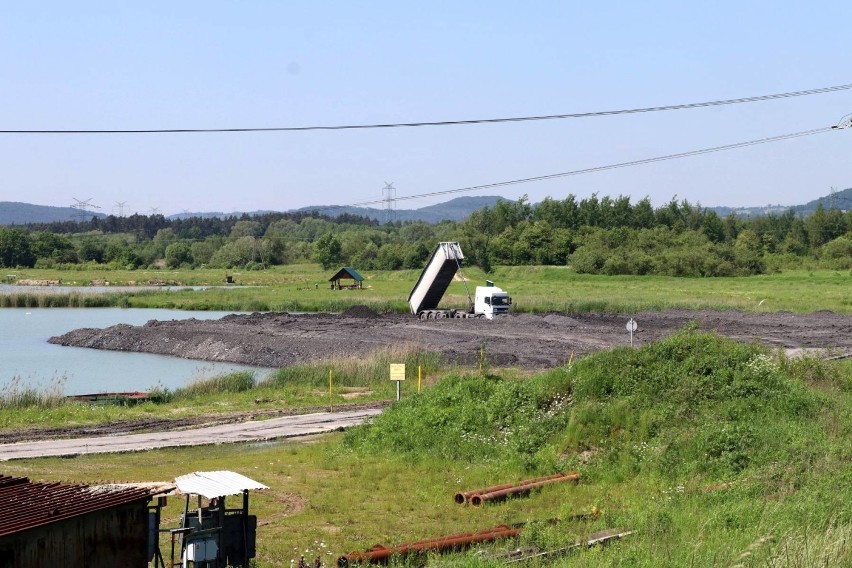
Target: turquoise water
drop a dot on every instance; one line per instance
(26, 355)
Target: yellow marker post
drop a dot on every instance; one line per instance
(330, 400)
(419, 377)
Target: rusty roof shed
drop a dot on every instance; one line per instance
(57, 524)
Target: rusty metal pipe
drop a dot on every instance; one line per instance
(500, 494)
(379, 553)
(465, 496)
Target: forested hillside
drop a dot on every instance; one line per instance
(15, 213)
(593, 235)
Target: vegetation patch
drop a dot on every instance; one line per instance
(715, 453)
(714, 450)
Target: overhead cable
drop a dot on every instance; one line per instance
(602, 168)
(818, 91)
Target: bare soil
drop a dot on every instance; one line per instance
(531, 341)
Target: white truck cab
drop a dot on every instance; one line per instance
(491, 300)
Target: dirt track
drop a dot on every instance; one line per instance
(157, 424)
(527, 340)
(250, 431)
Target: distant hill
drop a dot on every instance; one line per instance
(453, 210)
(838, 200)
(15, 213)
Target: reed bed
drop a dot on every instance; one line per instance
(16, 394)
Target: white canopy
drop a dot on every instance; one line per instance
(211, 484)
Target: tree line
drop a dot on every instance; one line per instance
(593, 235)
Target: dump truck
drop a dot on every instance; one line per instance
(441, 268)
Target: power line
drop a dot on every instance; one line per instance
(818, 91)
(611, 166)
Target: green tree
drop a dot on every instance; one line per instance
(178, 254)
(245, 228)
(416, 256)
(162, 239)
(52, 246)
(15, 248)
(328, 251)
(238, 253)
(203, 251)
(91, 249)
(713, 227)
(643, 214)
(120, 255)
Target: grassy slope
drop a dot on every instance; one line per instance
(299, 386)
(649, 429)
(536, 288)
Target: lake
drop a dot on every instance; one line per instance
(26, 354)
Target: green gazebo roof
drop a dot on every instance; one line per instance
(347, 272)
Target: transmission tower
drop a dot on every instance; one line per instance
(389, 197)
(120, 205)
(82, 207)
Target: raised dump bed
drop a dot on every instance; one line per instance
(436, 277)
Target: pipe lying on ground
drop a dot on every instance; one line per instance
(464, 497)
(500, 494)
(453, 542)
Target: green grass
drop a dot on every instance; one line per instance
(353, 380)
(533, 288)
(716, 453)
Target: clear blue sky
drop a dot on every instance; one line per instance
(208, 64)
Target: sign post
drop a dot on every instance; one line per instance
(397, 373)
(631, 327)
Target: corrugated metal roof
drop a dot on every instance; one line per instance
(28, 505)
(212, 484)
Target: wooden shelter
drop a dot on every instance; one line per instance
(69, 525)
(346, 273)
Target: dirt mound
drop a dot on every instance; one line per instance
(360, 311)
(525, 340)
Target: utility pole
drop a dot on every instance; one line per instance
(82, 206)
(389, 197)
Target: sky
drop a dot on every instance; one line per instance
(214, 64)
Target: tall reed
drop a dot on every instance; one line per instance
(16, 394)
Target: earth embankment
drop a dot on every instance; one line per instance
(525, 340)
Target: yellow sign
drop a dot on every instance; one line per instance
(397, 371)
